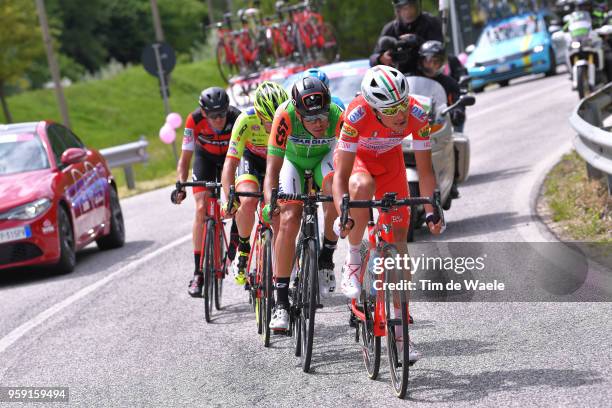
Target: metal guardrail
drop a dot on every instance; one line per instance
(594, 140)
(125, 156)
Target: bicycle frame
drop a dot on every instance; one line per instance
(214, 212)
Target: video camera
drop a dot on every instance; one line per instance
(402, 50)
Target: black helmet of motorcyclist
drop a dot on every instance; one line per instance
(432, 58)
(583, 5)
(407, 11)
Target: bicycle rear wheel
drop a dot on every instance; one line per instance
(209, 270)
(227, 68)
(370, 344)
(330, 46)
(309, 302)
(267, 294)
(397, 327)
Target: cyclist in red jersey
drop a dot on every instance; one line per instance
(207, 134)
(369, 162)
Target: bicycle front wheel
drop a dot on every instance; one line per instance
(220, 275)
(267, 294)
(209, 270)
(396, 310)
(309, 302)
(370, 343)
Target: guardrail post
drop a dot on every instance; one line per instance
(609, 184)
(129, 177)
(593, 173)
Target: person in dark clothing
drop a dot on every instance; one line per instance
(410, 29)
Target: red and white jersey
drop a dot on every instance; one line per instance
(364, 134)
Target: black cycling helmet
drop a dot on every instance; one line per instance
(310, 96)
(583, 5)
(214, 99)
(432, 50)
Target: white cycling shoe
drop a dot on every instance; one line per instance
(280, 318)
(413, 353)
(350, 280)
(327, 279)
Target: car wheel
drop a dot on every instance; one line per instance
(504, 83)
(116, 237)
(67, 259)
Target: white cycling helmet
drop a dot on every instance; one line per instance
(384, 86)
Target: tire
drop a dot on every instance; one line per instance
(413, 188)
(330, 48)
(309, 302)
(553, 63)
(504, 83)
(296, 318)
(208, 270)
(226, 69)
(370, 344)
(268, 292)
(218, 289)
(67, 260)
(398, 362)
(583, 81)
(116, 236)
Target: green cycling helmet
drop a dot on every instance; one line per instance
(269, 96)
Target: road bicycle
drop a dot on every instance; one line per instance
(304, 296)
(261, 293)
(214, 260)
(376, 311)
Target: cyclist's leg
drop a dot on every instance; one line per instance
(247, 180)
(323, 174)
(290, 182)
(204, 169)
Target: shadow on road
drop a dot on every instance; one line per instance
(495, 175)
(479, 225)
(89, 261)
(444, 386)
(455, 347)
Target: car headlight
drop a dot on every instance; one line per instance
(575, 44)
(27, 211)
(538, 48)
(470, 65)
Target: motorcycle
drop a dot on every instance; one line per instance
(585, 52)
(450, 149)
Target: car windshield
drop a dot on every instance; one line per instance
(509, 30)
(22, 152)
(345, 87)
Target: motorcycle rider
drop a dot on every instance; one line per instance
(432, 58)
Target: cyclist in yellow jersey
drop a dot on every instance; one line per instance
(245, 164)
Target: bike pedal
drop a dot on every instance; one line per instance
(319, 306)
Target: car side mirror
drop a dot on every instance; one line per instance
(467, 100)
(558, 36)
(470, 49)
(604, 30)
(73, 155)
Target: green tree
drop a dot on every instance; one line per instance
(20, 43)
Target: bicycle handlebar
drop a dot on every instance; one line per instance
(389, 201)
(233, 194)
(312, 198)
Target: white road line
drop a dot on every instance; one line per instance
(22, 330)
(513, 101)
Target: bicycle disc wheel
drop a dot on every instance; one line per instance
(267, 294)
(397, 326)
(209, 270)
(309, 302)
(370, 344)
(220, 275)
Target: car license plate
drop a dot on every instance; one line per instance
(15, 234)
(503, 68)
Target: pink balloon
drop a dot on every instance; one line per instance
(167, 134)
(174, 120)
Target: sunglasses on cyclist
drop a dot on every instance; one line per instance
(216, 115)
(393, 110)
(311, 119)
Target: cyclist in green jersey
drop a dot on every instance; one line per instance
(245, 164)
(303, 138)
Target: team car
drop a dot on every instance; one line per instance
(57, 196)
(513, 47)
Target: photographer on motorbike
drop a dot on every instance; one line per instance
(401, 38)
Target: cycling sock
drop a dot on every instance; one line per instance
(282, 291)
(327, 252)
(244, 245)
(196, 257)
(353, 256)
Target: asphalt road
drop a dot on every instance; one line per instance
(121, 330)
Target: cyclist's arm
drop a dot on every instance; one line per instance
(182, 170)
(240, 134)
(345, 157)
(424, 165)
(277, 143)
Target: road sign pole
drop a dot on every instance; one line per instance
(164, 90)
